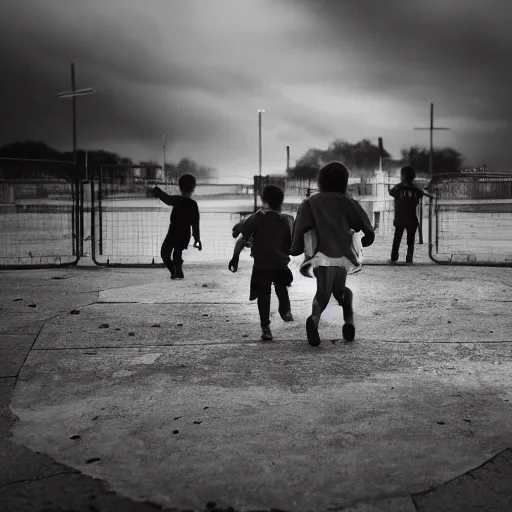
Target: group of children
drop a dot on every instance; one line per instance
(330, 219)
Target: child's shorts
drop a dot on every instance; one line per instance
(262, 280)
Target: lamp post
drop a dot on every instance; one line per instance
(259, 131)
(73, 94)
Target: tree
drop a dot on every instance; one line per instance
(361, 158)
(445, 160)
(30, 150)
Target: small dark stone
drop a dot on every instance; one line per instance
(177, 417)
(204, 408)
(131, 334)
(75, 437)
(16, 300)
(117, 329)
(95, 418)
(491, 331)
(104, 326)
(175, 431)
(197, 422)
(440, 422)
(31, 305)
(449, 321)
(466, 420)
(205, 286)
(245, 335)
(94, 459)
(179, 325)
(155, 325)
(74, 312)
(205, 314)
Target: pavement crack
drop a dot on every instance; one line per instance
(36, 479)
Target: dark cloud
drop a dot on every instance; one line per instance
(321, 69)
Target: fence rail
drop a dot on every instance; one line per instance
(39, 223)
(471, 220)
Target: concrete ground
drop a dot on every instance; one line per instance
(122, 390)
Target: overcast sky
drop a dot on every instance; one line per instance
(199, 70)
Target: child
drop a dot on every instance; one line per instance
(185, 215)
(271, 232)
(334, 217)
(407, 196)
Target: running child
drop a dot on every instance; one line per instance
(271, 232)
(334, 217)
(184, 215)
(407, 197)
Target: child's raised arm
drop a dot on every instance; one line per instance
(166, 198)
(393, 192)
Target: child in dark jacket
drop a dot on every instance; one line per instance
(407, 197)
(185, 215)
(334, 217)
(271, 234)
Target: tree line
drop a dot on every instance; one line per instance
(63, 162)
(362, 158)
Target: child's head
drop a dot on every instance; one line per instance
(187, 184)
(273, 197)
(333, 177)
(407, 174)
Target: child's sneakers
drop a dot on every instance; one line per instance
(266, 334)
(172, 269)
(349, 332)
(287, 317)
(312, 332)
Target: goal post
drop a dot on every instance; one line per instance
(470, 219)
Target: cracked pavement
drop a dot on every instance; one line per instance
(177, 403)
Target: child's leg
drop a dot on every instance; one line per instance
(344, 296)
(284, 300)
(324, 288)
(325, 278)
(282, 280)
(261, 286)
(166, 252)
(397, 238)
(177, 258)
(411, 237)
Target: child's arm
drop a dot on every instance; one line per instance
(247, 230)
(359, 221)
(393, 192)
(166, 198)
(239, 247)
(195, 228)
(303, 223)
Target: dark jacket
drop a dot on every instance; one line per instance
(271, 233)
(184, 215)
(407, 198)
(332, 215)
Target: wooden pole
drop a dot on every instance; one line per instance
(73, 99)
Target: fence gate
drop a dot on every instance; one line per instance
(39, 222)
(471, 220)
(129, 224)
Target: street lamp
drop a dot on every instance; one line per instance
(73, 94)
(259, 129)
